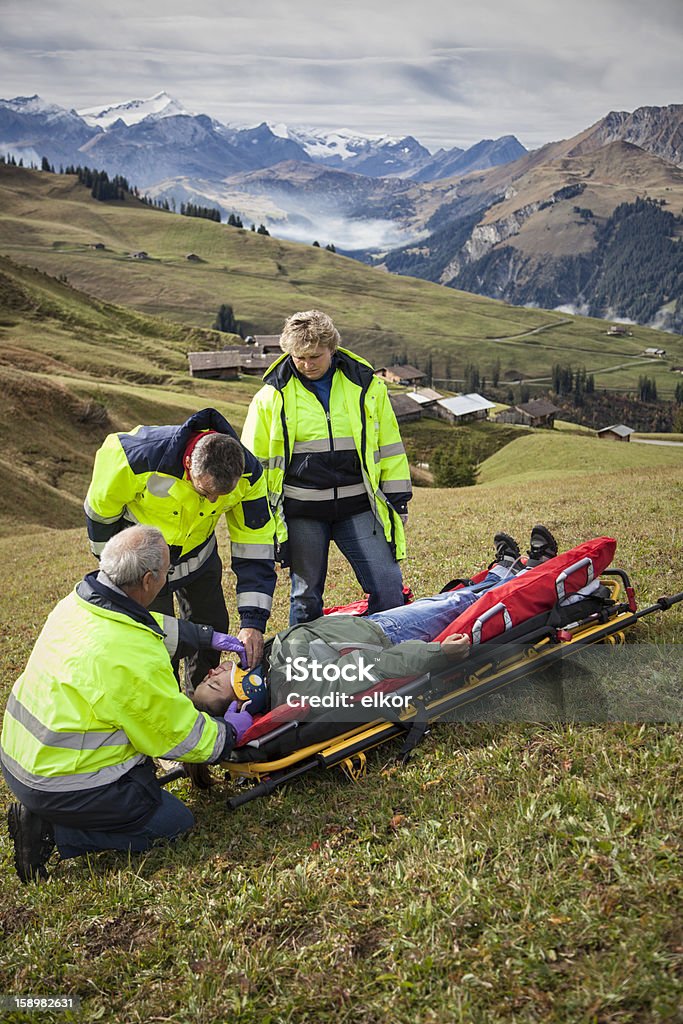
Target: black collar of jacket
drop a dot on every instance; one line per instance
(358, 373)
(95, 592)
(171, 461)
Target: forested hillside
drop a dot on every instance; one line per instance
(636, 267)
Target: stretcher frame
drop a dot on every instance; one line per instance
(491, 667)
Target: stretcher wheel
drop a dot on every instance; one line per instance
(616, 639)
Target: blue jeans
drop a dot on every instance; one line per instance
(362, 542)
(426, 618)
(169, 821)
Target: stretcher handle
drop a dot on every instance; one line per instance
(497, 609)
(267, 786)
(661, 605)
(583, 563)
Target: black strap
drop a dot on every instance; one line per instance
(416, 729)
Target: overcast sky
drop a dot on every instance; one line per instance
(449, 72)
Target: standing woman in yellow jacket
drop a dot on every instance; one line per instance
(336, 469)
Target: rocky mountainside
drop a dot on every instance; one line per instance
(534, 231)
(657, 130)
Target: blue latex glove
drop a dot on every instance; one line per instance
(225, 642)
(239, 720)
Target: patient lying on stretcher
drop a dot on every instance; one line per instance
(350, 654)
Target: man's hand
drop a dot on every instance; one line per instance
(456, 646)
(225, 642)
(253, 645)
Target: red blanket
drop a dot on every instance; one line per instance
(533, 592)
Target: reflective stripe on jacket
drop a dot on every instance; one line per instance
(97, 696)
(285, 421)
(139, 477)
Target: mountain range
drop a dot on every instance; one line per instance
(526, 227)
(542, 230)
(150, 140)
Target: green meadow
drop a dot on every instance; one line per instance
(516, 870)
(511, 871)
(51, 222)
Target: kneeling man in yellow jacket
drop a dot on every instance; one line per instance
(98, 699)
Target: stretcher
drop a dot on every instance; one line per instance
(507, 645)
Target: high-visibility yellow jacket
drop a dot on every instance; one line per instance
(311, 458)
(97, 697)
(139, 477)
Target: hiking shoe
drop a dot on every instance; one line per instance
(33, 840)
(543, 546)
(507, 550)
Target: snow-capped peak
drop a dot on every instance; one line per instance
(133, 111)
(33, 105)
(342, 143)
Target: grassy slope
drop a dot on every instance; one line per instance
(50, 221)
(511, 872)
(71, 369)
(549, 454)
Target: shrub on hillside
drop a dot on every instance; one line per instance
(452, 467)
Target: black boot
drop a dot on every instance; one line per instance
(507, 550)
(542, 547)
(33, 840)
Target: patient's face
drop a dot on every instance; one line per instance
(215, 691)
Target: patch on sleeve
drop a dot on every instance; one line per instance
(256, 513)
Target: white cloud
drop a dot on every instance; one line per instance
(444, 72)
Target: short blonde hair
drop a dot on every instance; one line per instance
(305, 332)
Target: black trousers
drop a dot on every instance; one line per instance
(201, 600)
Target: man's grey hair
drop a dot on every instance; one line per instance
(219, 457)
(130, 554)
(305, 332)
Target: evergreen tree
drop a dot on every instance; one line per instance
(453, 467)
(429, 369)
(472, 380)
(647, 389)
(205, 212)
(225, 320)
